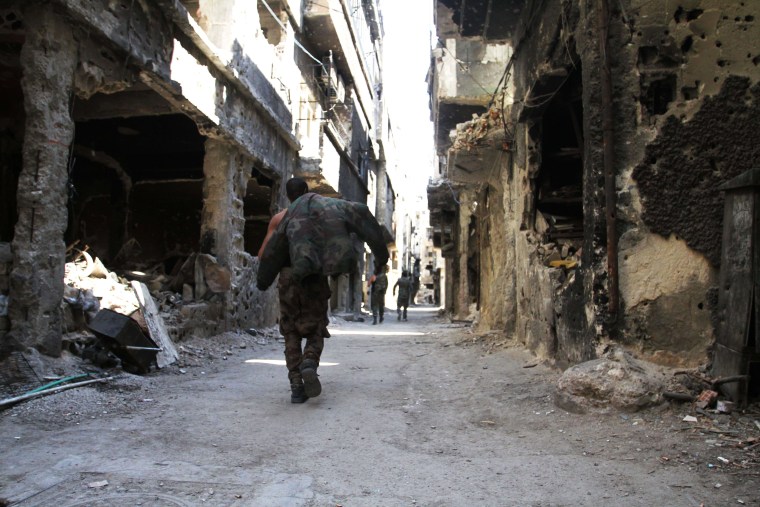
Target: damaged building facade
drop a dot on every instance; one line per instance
(156, 136)
(584, 145)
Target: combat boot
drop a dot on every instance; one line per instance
(297, 393)
(311, 384)
(374, 320)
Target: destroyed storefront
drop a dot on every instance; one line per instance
(623, 243)
(124, 168)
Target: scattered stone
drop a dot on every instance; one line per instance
(616, 382)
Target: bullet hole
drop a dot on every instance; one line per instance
(10, 17)
(718, 43)
(756, 60)
(716, 79)
(687, 43)
(722, 63)
(683, 16)
(703, 36)
(701, 306)
(666, 32)
(737, 19)
(749, 19)
(690, 92)
(676, 236)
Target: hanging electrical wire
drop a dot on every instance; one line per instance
(277, 20)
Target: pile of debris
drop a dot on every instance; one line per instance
(110, 320)
(471, 134)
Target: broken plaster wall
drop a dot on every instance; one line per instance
(226, 174)
(555, 315)
(498, 305)
(685, 95)
(477, 163)
(694, 68)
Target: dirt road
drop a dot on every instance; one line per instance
(411, 413)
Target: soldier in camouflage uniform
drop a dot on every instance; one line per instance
(303, 314)
(404, 285)
(315, 237)
(379, 284)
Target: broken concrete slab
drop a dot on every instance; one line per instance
(168, 353)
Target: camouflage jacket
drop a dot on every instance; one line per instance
(404, 285)
(380, 285)
(318, 235)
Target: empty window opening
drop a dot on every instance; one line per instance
(136, 186)
(257, 206)
(559, 182)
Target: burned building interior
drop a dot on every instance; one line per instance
(558, 192)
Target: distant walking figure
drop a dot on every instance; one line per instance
(379, 284)
(404, 285)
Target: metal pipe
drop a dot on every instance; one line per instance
(610, 195)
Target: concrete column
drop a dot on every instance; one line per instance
(462, 301)
(222, 220)
(48, 60)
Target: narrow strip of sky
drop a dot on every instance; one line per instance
(406, 54)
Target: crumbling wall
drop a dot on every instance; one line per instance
(49, 58)
(556, 315)
(496, 248)
(74, 50)
(694, 68)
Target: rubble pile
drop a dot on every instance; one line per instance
(471, 134)
(112, 321)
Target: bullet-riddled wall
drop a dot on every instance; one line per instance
(684, 102)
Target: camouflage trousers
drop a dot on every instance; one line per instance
(303, 314)
(378, 303)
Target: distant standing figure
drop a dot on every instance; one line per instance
(379, 285)
(404, 285)
(415, 282)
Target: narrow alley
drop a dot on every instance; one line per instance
(424, 412)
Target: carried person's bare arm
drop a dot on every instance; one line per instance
(273, 223)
